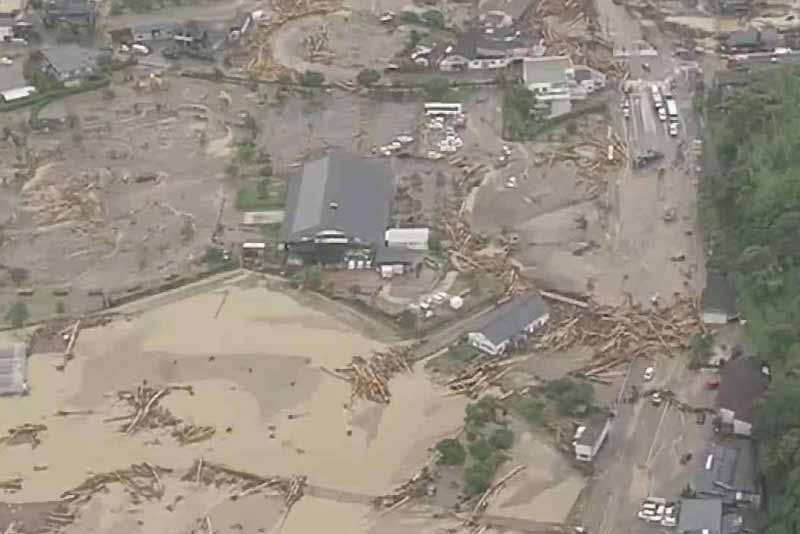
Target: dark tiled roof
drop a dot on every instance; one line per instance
(732, 469)
(510, 318)
(741, 386)
(341, 192)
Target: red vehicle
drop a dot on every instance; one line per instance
(712, 383)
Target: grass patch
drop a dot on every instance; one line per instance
(267, 194)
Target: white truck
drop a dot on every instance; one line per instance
(657, 100)
(672, 110)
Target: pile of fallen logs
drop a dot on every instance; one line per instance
(472, 380)
(141, 481)
(218, 475)
(413, 488)
(370, 377)
(27, 433)
(470, 253)
(262, 64)
(317, 46)
(187, 434)
(60, 517)
(617, 334)
(146, 411)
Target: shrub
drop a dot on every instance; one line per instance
(433, 18)
(452, 452)
(18, 314)
(478, 478)
(437, 88)
(368, 77)
(312, 278)
(502, 438)
(571, 396)
(480, 449)
(312, 78)
(481, 412)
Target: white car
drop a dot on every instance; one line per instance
(645, 515)
(669, 522)
(673, 129)
(656, 398)
(648, 374)
(662, 114)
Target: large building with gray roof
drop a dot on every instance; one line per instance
(337, 204)
(728, 472)
(68, 63)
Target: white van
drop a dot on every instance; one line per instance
(657, 101)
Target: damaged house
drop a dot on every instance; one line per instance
(489, 48)
(728, 472)
(742, 383)
(337, 211)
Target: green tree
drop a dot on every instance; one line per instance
(368, 77)
(482, 412)
(451, 451)
(434, 18)
(478, 478)
(480, 449)
(571, 396)
(18, 314)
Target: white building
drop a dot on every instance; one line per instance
(590, 437)
(410, 238)
(547, 76)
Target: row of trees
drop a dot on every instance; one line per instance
(751, 203)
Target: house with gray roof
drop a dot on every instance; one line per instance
(68, 63)
(547, 76)
(728, 472)
(13, 369)
(479, 49)
(509, 324)
(337, 204)
(502, 13)
(700, 516)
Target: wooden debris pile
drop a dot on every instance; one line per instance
(140, 481)
(12, 484)
(370, 377)
(188, 433)
(20, 435)
(262, 64)
(317, 46)
(617, 334)
(146, 411)
(478, 376)
(415, 487)
(471, 253)
(218, 475)
(60, 517)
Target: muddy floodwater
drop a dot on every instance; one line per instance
(254, 358)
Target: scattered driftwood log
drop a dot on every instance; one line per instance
(370, 377)
(218, 475)
(493, 490)
(23, 434)
(146, 411)
(617, 334)
(413, 488)
(141, 481)
(187, 434)
(12, 484)
(472, 380)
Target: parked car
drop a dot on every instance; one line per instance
(673, 129)
(649, 373)
(656, 398)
